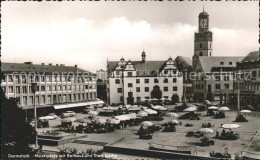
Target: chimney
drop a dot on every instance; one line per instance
(50, 64)
(43, 64)
(62, 64)
(76, 66)
(57, 64)
(28, 63)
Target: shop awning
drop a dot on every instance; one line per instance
(62, 106)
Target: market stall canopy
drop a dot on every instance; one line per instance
(150, 111)
(212, 107)
(171, 114)
(142, 114)
(159, 108)
(100, 121)
(122, 117)
(206, 130)
(112, 121)
(70, 119)
(223, 109)
(131, 115)
(230, 126)
(190, 109)
(147, 123)
(93, 112)
(245, 111)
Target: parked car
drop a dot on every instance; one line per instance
(50, 116)
(89, 108)
(68, 114)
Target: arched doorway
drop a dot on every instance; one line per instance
(156, 92)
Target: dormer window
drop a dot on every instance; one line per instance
(165, 72)
(221, 63)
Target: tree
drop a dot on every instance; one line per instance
(17, 133)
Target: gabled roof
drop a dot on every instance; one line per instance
(149, 66)
(252, 56)
(185, 61)
(22, 67)
(209, 63)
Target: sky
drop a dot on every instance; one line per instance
(90, 33)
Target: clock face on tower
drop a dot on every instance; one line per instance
(203, 23)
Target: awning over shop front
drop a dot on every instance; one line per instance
(71, 105)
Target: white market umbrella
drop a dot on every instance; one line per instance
(150, 111)
(171, 114)
(230, 126)
(100, 121)
(245, 111)
(207, 102)
(112, 121)
(213, 107)
(163, 99)
(190, 109)
(142, 114)
(223, 109)
(147, 123)
(206, 130)
(160, 108)
(93, 113)
(83, 120)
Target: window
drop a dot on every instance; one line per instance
(201, 54)
(165, 72)
(137, 89)
(259, 74)
(24, 89)
(42, 88)
(69, 88)
(226, 78)
(230, 63)
(146, 89)
(119, 90)
(25, 100)
(138, 99)
(156, 80)
(130, 85)
(10, 78)
(200, 45)
(221, 63)
(48, 78)
(217, 86)
(48, 99)
(24, 79)
(86, 86)
(129, 74)
(146, 80)
(121, 99)
(174, 88)
(58, 79)
(226, 86)
(253, 74)
(217, 78)
(59, 87)
(117, 81)
(138, 81)
(54, 88)
(16, 79)
(165, 89)
(174, 80)
(117, 72)
(43, 99)
(11, 89)
(48, 88)
(165, 80)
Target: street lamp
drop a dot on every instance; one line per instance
(34, 88)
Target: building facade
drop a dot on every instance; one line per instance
(213, 75)
(247, 79)
(131, 82)
(58, 86)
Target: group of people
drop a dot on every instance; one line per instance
(227, 135)
(220, 115)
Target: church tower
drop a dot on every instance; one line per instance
(203, 39)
